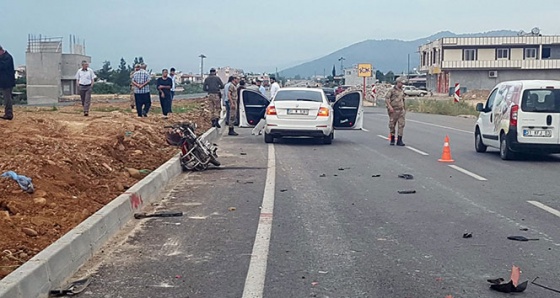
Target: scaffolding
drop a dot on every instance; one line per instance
(43, 44)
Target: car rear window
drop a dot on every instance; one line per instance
(541, 101)
(302, 95)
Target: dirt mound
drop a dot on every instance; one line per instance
(78, 164)
(476, 95)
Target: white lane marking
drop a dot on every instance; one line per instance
(417, 151)
(475, 176)
(365, 129)
(545, 207)
(383, 137)
(440, 126)
(254, 283)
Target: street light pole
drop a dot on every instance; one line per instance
(202, 66)
(408, 66)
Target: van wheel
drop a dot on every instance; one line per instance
(268, 138)
(505, 152)
(478, 144)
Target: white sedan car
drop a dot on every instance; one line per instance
(301, 112)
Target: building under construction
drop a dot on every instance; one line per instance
(50, 72)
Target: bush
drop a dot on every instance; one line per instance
(109, 88)
(441, 107)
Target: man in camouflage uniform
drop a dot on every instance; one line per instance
(232, 96)
(213, 84)
(396, 109)
(132, 100)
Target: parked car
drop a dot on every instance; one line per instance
(413, 91)
(301, 112)
(330, 93)
(520, 116)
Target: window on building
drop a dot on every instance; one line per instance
(545, 53)
(531, 53)
(469, 55)
(502, 53)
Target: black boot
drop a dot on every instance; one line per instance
(392, 140)
(218, 123)
(399, 141)
(213, 122)
(232, 132)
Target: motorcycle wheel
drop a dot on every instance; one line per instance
(214, 161)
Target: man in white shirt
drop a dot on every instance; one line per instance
(172, 76)
(84, 84)
(273, 88)
(262, 90)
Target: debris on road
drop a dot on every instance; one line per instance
(543, 286)
(314, 283)
(243, 153)
(283, 190)
(524, 229)
(376, 176)
(406, 192)
(157, 214)
(512, 286)
(232, 208)
(24, 182)
(406, 176)
(323, 272)
(74, 288)
(467, 235)
(323, 175)
(521, 238)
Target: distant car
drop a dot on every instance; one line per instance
(302, 112)
(330, 93)
(413, 91)
(341, 89)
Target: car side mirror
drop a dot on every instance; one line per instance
(479, 107)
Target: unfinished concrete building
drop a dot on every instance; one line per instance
(50, 72)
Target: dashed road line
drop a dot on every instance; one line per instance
(545, 207)
(366, 130)
(417, 151)
(383, 137)
(440, 126)
(254, 283)
(475, 176)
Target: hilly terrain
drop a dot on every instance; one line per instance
(385, 55)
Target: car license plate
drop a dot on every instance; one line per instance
(298, 112)
(544, 133)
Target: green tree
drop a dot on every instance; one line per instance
(297, 77)
(105, 72)
(121, 77)
(390, 77)
(380, 76)
(138, 60)
(333, 71)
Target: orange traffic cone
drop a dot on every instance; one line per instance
(446, 155)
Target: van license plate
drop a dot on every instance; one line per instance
(298, 112)
(544, 133)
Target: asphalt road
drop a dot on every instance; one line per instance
(311, 220)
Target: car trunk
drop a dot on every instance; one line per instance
(300, 110)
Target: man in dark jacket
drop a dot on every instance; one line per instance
(213, 84)
(7, 82)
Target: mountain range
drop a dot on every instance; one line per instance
(385, 55)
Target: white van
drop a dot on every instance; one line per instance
(520, 116)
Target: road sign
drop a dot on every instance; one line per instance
(365, 70)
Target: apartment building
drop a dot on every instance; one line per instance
(479, 63)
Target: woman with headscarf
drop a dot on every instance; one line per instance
(164, 85)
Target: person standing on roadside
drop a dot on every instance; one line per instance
(225, 98)
(241, 86)
(274, 87)
(7, 82)
(213, 84)
(172, 76)
(84, 83)
(262, 90)
(396, 109)
(164, 85)
(232, 97)
(141, 82)
(132, 100)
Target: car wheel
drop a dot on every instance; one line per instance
(421, 94)
(478, 144)
(328, 139)
(268, 138)
(505, 152)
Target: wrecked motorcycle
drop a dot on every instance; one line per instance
(196, 153)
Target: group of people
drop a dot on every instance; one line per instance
(230, 96)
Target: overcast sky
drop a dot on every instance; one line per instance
(253, 35)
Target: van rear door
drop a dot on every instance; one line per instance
(539, 118)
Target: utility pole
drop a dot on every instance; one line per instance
(341, 59)
(408, 66)
(202, 66)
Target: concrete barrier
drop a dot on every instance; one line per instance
(60, 260)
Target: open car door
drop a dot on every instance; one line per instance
(348, 111)
(252, 107)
